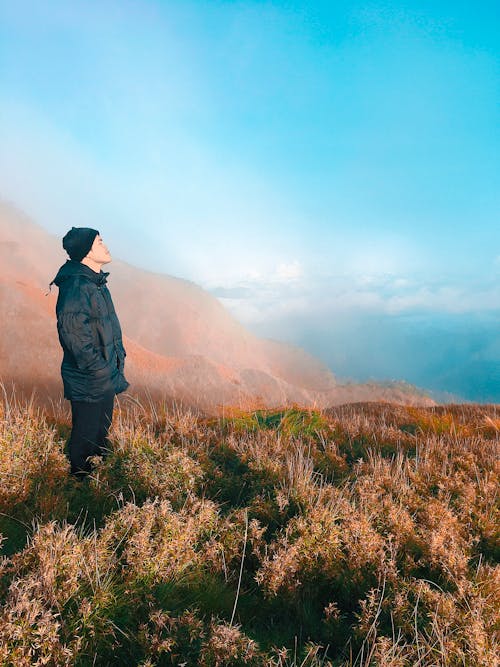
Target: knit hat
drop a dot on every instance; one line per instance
(78, 242)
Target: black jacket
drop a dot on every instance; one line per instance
(89, 333)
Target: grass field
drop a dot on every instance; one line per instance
(367, 534)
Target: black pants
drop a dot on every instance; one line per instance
(90, 426)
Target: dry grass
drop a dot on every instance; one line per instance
(364, 535)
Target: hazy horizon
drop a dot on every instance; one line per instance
(329, 172)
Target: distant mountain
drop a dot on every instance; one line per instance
(181, 342)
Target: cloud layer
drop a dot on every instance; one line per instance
(439, 336)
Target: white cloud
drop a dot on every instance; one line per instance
(289, 272)
(307, 296)
(401, 282)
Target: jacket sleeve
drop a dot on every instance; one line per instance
(75, 330)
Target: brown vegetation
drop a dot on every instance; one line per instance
(366, 534)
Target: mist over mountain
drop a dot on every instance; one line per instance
(453, 356)
(181, 342)
(440, 334)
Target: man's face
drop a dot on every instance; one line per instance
(99, 251)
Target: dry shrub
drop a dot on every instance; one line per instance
(453, 628)
(158, 544)
(227, 645)
(54, 558)
(263, 450)
(236, 535)
(33, 468)
(174, 636)
(30, 633)
(144, 466)
(45, 577)
(332, 541)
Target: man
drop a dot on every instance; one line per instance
(92, 368)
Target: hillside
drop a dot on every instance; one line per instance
(366, 534)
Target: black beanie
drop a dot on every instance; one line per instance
(78, 242)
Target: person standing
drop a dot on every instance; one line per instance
(89, 331)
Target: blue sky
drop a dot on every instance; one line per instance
(329, 170)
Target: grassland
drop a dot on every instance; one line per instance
(366, 534)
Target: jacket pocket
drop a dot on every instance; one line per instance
(100, 381)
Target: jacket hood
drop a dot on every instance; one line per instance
(74, 268)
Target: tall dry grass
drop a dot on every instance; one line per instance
(362, 535)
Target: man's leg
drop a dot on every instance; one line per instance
(83, 440)
(106, 416)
